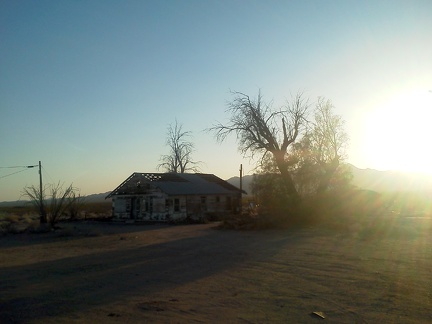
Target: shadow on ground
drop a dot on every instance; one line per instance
(71, 284)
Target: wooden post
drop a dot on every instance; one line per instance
(241, 174)
(241, 188)
(43, 218)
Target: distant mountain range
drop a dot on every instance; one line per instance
(385, 181)
(90, 198)
(381, 181)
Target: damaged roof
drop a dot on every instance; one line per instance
(175, 184)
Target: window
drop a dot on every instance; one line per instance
(203, 203)
(176, 205)
(228, 205)
(168, 204)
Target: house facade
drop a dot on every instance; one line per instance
(165, 197)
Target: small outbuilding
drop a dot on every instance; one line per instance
(165, 197)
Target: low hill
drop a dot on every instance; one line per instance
(387, 181)
(370, 179)
(93, 198)
(98, 197)
(246, 180)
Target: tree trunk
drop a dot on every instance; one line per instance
(287, 179)
(329, 170)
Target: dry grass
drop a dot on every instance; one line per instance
(11, 218)
(21, 219)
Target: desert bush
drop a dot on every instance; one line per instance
(28, 218)
(213, 216)
(11, 218)
(4, 227)
(343, 210)
(57, 205)
(16, 210)
(18, 228)
(95, 210)
(244, 221)
(75, 205)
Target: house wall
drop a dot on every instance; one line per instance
(202, 205)
(157, 206)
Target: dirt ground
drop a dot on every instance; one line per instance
(117, 273)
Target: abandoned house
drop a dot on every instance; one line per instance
(174, 197)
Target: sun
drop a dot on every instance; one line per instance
(399, 133)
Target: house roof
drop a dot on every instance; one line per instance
(175, 184)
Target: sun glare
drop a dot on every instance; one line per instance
(399, 133)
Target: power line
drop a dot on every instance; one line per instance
(18, 166)
(46, 173)
(7, 175)
(25, 167)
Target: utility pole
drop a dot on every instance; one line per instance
(241, 188)
(43, 218)
(241, 179)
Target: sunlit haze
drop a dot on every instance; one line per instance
(90, 87)
(399, 133)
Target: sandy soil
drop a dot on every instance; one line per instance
(116, 273)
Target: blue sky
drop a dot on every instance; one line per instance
(90, 87)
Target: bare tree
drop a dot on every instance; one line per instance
(37, 198)
(320, 151)
(179, 159)
(76, 203)
(263, 130)
(327, 141)
(57, 203)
